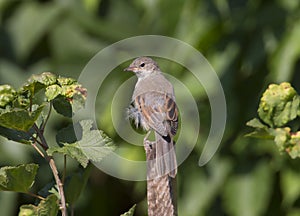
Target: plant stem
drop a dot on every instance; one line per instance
(43, 142)
(63, 207)
(65, 169)
(47, 118)
(53, 167)
(38, 150)
(35, 195)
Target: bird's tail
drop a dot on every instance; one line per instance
(166, 163)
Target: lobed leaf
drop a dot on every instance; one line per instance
(39, 81)
(68, 97)
(20, 119)
(47, 207)
(65, 81)
(18, 178)
(93, 144)
(279, 105)
(53, 91)
(261, 130)
(73, 150)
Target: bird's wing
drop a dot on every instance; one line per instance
(159, 111)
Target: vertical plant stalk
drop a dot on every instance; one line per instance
(161, 196)
(63, 206)
(53, 167)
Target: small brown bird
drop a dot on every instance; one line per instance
(153, 107)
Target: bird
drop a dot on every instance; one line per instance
(153, 107)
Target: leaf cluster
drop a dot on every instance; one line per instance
(24, 114)
(278, 111)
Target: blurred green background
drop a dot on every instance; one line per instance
(250, 44)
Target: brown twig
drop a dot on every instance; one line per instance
(35, 195)
(65, 169)
(38, 150)
(40, 135)
(63, 206)
(53, 167)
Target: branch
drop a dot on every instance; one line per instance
(47, 118)
(38, 150)
(53, 167)
(63, 207)
(36, 196)
(43, 142)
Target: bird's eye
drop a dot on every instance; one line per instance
(142, 65)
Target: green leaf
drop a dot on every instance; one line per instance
(194, 203)
(47, 207)
(18, 178)
(261, 130)
(130, 212)
(282, 137)
(293, 149)
(15, 135)
(75, 183)
(63, 106)
(39, 81)
(7, 94)
(67, 135)
(71, 98)
(241, 192)
(20, 119)
(67, 139)
(72, 150)
(93, 144)
(290, 186)
(256, 123)
(279, 105)
(30, 23)
(287, 54)
(91, 5)
(53, 91)
(65, 81)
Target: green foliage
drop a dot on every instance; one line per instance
(6, 95)
(19, 111)
(241, 193)
(22, 120)
(279, 105)
(94, 144)
(15, 135)
(76, 183)
(19, 178)
(249, 44)
(47, 207)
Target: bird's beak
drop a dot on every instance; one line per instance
(133, 69)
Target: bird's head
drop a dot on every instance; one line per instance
(143, 67)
